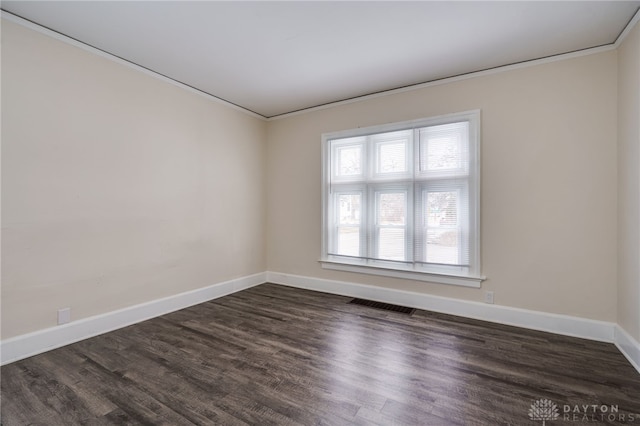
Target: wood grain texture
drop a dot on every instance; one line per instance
(282, 356)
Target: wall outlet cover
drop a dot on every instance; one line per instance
(488, 297)
(64, 316)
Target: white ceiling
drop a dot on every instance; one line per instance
(277, 57)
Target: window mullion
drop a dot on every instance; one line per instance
(371, 223)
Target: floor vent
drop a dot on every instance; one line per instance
(385, 306)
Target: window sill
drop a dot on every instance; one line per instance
(432, 277)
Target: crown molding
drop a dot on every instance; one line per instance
(91, 49)
(627, 29)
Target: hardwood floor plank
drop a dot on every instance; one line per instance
(283, 356)
(94, 404)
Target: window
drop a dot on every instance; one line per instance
(403, 200)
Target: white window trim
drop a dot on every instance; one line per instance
(471, 278)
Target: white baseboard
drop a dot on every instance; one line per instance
(30, 344)
(554, 323)
(629, 346)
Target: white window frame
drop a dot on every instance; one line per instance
(468, 275)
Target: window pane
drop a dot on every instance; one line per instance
(391, 243)
(391, 221)
(349, 209)
(442, 228)
(350, 160)
(348, 241)
(392, 157)
(392, 208)
(443, 147)
(442, 246)
(442, 209)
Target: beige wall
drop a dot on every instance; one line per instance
(629, 184)
(548, 183)
(117, 188)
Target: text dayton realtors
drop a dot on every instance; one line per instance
(594, 412)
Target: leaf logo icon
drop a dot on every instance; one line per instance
(543, 409)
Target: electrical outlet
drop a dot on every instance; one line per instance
(488, 297)
(64, 316)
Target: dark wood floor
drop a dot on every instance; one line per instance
(284, 356)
